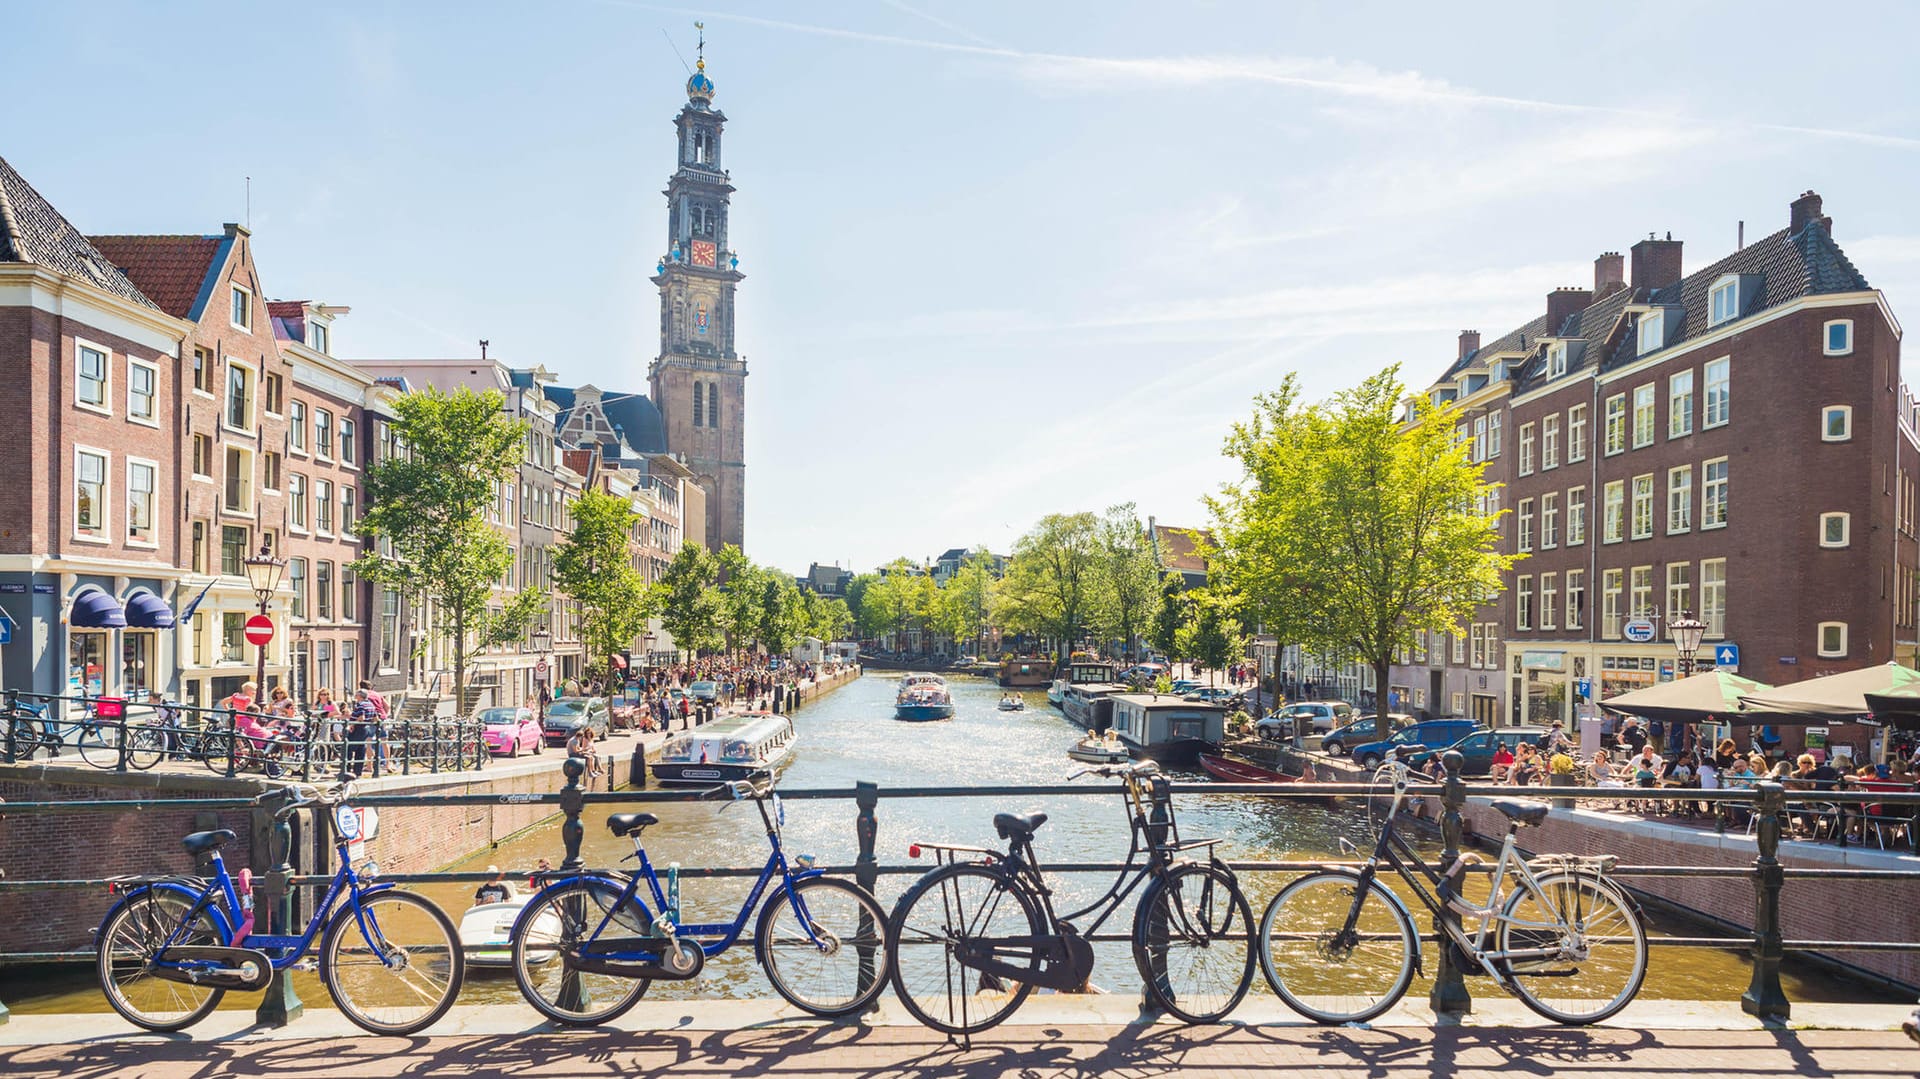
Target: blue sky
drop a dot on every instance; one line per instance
(1002, 259)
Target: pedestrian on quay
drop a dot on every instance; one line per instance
(362, 723)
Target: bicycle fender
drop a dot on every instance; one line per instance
(187, 895)
(808, 873)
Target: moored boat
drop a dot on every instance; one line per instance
(486, 934)
(1235, 770)
(1025, 672)
(923, 697)
(1100, 749)
(1013, 702)
(746, 746)
(1166, 728)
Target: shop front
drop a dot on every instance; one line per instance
(1545, 677)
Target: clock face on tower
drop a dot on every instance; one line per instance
(704, 253)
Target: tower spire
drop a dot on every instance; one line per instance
(700, 56)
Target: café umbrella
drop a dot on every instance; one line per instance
(1897, 707)
(1836, 698)
(1710, 696)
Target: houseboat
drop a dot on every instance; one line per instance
(1025, 672)
(1166, 728)
(746, 746)
(923, 697)
(1082, 672)
(1091, 704)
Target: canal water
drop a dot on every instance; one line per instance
(850, 735)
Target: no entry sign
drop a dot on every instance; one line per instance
(259, 629)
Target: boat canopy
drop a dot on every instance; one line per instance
(740, 739)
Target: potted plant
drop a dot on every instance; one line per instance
(1560, 774)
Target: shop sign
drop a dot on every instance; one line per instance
(1543, 661)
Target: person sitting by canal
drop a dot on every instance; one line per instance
(1525, 767)
(580, 744)
(242, 699)
(495, 890)
(1600, 771)
(1502, 762)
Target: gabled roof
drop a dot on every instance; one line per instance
(953, 554)
(632, 416)
(33, 232)
(177, 271)
(1177, 551)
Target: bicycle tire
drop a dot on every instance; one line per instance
(944, 1009)
(557, 920)
(1593, 972)
(1218, 914)
(146, 747)
(1314, 966)
(845, 934)
(98, 746)
(438, 953)
(26, 735)
(130, 934)
(215, 749)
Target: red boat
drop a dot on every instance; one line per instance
(1234, 770)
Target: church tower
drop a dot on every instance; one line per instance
(698, 381)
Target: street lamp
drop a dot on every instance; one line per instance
(263, 573)
(1686, 632)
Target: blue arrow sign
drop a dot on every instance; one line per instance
(6, 630)
(1726, 655)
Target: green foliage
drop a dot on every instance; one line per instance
(783, 613)
(688, 601)
(964, 603)
(1215, 636)
(428, 506)
(594, 566)
(1128, 590)
(1173, 614)
(1053, 583)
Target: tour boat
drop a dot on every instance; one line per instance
(923, 697)
(486, 934)
(1100, 749)
(746, 746)
(1235, 770)
(1013, 703)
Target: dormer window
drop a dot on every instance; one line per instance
(318, 332)
(1556, 360)
(1653, 335)
(1724, 301)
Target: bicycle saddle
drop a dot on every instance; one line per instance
(1522, 811)
(1021, 825)
(628, 823)
(202, 842)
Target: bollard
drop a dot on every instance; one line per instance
(573, 994)
(1764, 997)
(281, 1005)
(866, 872)
(639, 780)
(1449, 995)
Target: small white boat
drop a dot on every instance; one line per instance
(1100, 749)
(1013, 703)
(486, 934)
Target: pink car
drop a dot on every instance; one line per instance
(510, 730)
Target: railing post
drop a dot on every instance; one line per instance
(573, 993)
(120, 765)
(1764, 998)
(281, 1005)
(306, 750)
(233, 742)
(866, 870)
(1449, 995)
(12, 703)
(433, 742)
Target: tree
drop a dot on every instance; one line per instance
(866, 617)
(832, 621)
(688, 601)
(740, 596)
(1129, 587)
(1053, 580)
(1352, 527)
(594, 566)
(966, 599)
(1173, 614)
(1215, 637)
(783, 613)
(427, 508)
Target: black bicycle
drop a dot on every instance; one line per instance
(972, 938)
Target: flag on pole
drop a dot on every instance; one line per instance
(186, 614)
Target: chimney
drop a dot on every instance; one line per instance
(1806, 210)
(1656, 263)
(1563, 303)
(1609, 274)
(1469, 341)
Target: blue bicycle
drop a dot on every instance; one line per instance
(172, 946)
(587, 944)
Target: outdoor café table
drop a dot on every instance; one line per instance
(1876, 809)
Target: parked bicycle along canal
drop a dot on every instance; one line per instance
(850, 735)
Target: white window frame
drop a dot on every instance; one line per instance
(1725, 365)
(297, 494)
(104, 533)
(1679, 592)
(1523, 603)
(253, 397)
(1556, 359)
(1820, 640)
(1549, 601)
(297, 427)
(1638, 607)
(1713, 596)
(1576, 512)
(1729, 286)
(239, 291)
(152, 419)
(1525, 533)
(1479, 438)
(1549, 520)
(1707, 485)
(1613, 584)
(346, 452)
(1613, 418)
(1613, 512)
(253, 494)
(1649, 410)
(1576, 434)
(1680, 404)
(1642, 496)
(1651, 332)
(1526, 449)
(1550, 441)
(105, 406)
(318, 454)
(1846, 530)
(152, 539)
(1493, 435)
(322, 503)
(1576, 597)
(1846, 414)
(1826, 337)
(1682, 521)
(349, 510)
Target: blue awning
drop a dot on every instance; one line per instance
(95, 609)
(148, 611)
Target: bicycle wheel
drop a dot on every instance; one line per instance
(146, 746)
(215, 748)
(396, 967)
(557, 922)
(98, 745)
(1193, 943)
(1334, 953)
(1600, 947)
(953, 906)
(824, 947)
(129, 937)
(25, 735)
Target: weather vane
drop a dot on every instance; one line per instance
(701, 56)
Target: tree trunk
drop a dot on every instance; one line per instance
(1380, 693)
(459, 656)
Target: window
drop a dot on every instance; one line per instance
(1640, 592)
(90, 494)
(1616, 424)
(239, 413)
(1549, 600)
(1526, 524)
(1610, 604)
(1613, 512)
(143, 390)
(1523, 603)
(323, 506)
(1479, 438)
(346, 509)
(270, 471)
(317, 337)
(349, 597)
(1679, 499)
(1549, 521)
(323, 591)
(1526, 449)
(233, 550)
(1577, 433)
(1643, 415)
(1836, 423)
(1680, 405)
(273, 389)
(1833, 529)
(323, 433)
(1458, 642)
(1576, 597)
(233, 637)
(348, 452)
(297, 427)
(1719, 393)
(203, 455)
(1653, 331)
(349, 660)
(199, 547)
(1724, 301)
(242, 309)
(1479, 639)
(91, 374)
(296, 502)
(1643, 506)
(202, 370)
(140, 484)
(1833, 639)
(1713, 493)
(238, 492)
(1556, 360)
(297, 577)
(1576, 516)
(1493, 435)
(1550, 442)
(1679, 592)
(1713, 596)
(1836, 337)
(699, 404)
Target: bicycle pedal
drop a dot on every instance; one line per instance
(305, 966)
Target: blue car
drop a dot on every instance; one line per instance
(1433, 734)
